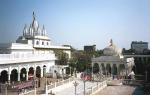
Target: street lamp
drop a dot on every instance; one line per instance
(84, 85)
(75, 85)
(75, 72)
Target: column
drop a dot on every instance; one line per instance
(9, 73)
(34, 70)
(9, 77)
(18, 75)
(105, 66)
(105, 70)
(100, 71)
(27, 70)
(41, 71)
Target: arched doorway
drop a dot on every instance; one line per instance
(114, 69)
(23, 74)
(14, 75)
(31, 73)
(108, 69)
(38, 72)
(96, 68)
(103, 68)
(4, 76)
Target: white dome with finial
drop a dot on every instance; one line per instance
(112, 50)
(34, 30)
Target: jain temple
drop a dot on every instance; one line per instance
(31, 55)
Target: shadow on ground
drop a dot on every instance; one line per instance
(140, 91)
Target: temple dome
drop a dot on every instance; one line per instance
(112, 50)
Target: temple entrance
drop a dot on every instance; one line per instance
(31, 73)
(114, 69)
(4, 76)
(96, 68)
(23, 74)
(103, 68)
(38, 72)
(108, 69)
(14, 75)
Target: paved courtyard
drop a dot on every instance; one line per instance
(121, 90)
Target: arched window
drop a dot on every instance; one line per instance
(42, 43)
(37, 42)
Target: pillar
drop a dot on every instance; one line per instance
(27, 70)
(34, 70)
(100, 70)
(9, 73)
(9, 77)
(18, 75)
(41, 71)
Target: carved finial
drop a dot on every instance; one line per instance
(24, 30)
(33, 15)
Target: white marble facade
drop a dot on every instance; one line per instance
(31, 51)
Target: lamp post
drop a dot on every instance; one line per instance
(75, 73)
(84, 85)
(75, 85)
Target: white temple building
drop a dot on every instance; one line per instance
(113, 61)
(31, 55)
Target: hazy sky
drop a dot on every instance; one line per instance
(79, 22)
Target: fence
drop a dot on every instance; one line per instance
(51, 86)
(93, 90)
(56, 84)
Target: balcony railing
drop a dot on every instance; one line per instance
(17, 58)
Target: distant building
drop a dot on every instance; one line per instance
(138, 46)
(112, 61)
(89, 48)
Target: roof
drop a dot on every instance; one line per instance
(107, 59)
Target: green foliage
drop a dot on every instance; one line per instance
(81, 59)
(63, 57)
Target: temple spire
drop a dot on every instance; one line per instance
(111, 42)
(33, 15)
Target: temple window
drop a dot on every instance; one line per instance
(37, 42)
(42, 43)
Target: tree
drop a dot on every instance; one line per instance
(62, 57)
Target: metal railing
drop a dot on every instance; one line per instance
(59, 83)
(93, 89)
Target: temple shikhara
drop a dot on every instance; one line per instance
(31, 55)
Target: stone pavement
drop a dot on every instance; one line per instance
(116, 88)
